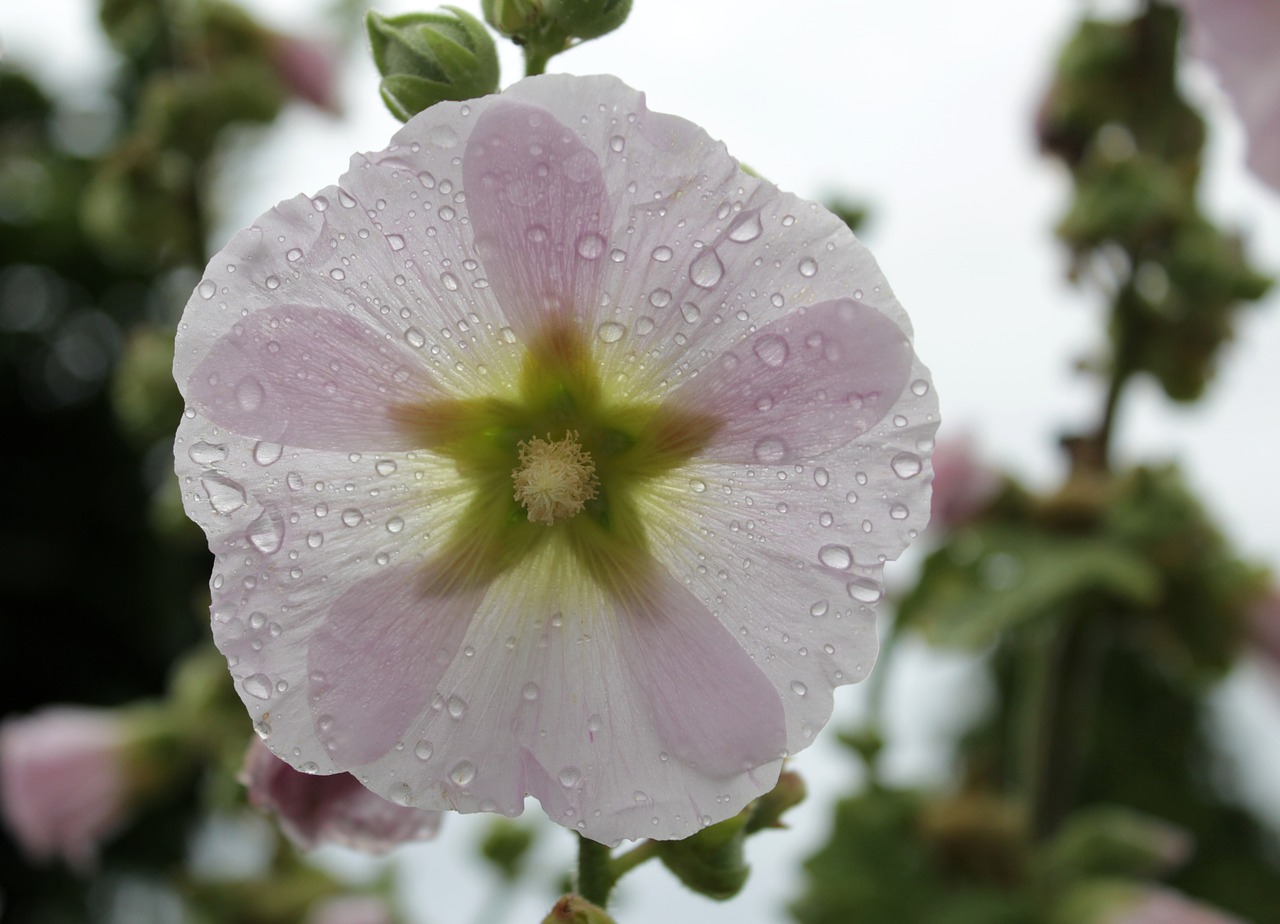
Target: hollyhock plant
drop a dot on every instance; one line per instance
(335, 809)
(1240, 39)
(64, 781)
(550, 453)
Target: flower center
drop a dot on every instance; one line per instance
(554, 478)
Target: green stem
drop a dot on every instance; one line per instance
(536, 57)
(595, 877)
(628, 861)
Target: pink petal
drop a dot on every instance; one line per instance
(712, 706)
(801, 386)
(309, 377)
(1240, 39)
(377, 660)
(540, 212)
(315, 810)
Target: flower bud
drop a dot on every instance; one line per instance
(587, 19)
(574, 909)
(425, 58)
(512, 18)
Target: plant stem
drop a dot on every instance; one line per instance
(628, 861)
(536, 57)
(595, 877)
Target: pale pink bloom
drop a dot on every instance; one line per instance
(64, 786)
(1155, 905)
(362, 369)
(1240, 39)
(962, 484)
(315, 810)
(352, 909)
(308, 69)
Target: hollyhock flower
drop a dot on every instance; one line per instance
(1240, 40)
(962, 484)
(550, 453)
(64, 783)
(336, 809)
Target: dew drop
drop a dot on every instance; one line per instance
(819, 608)
(203, 453)
(836, 556)
(457, 706)
(400, 794)
(808, 267)
(395, 525)
(659, 298)
(920, 387)
(423, 750)
(610, 331)
(225, 496)
(208, 289)
(707, 270)
(529, 691)
(899, 511)
(590, 246)
(617, 143)
(906, 465)
(569, 777)
(265, 453)
(691, 312)
(315, 539)
(450, 281)
(395, 241)
(771, 350)
(661, 254)
(249, 394)
(798, 688)
(352, 517)
(536, 234)
(746, 227)
(415, 338)
(257, 685)
(770, 449)
(384, 467)
(821, 477)
(697, 485)
(864, 590)
(294, 255)
(266, 533)
(337, 274)
(463, 772)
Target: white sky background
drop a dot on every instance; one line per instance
(924, 111)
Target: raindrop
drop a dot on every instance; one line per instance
(836, 556)
(450, 281)
(384, 467)
(821, 477)
(771, 350)
(415, 338)
(590, 246)
(825, 518)
(395, 525)
(746, 227)
(707, 270)
(463, 772)
(808, 267)
(315, 539)
(257, 686)
(920, 387)
(265, 453)
(659, 298)
(320, 203)
(569, 777)
(529, 691)
(226, 496)
(203, 453)
(818, 608)
(457, 706)
(395, 241)
(617, 143)
(423, 750)
(446, 213)
(294, 255)
(536, 234)
(798, 688)
(294, 481)
(337, 274)
(266, 533)
(208, 289)
(352, 517)
(906, 465)
(691, 312)
(249, 394)
(400, 794)
(697, 485)
(661, 254)
(427, 180)
(610, 331)
(899, 511)
(864, 590)
(770, 449)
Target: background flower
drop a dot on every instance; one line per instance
(372, 609)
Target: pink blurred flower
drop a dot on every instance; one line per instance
(336, 809)
(1240, 39)
(352, 909)
(1155, 905)
(962, 485)
(64, 786)
(307, 68)
(550, 453)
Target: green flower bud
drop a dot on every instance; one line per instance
(513, 18)
(425, 58)
(588, 19)
(574, 909)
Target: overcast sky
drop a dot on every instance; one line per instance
(923, 111)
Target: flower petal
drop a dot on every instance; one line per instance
(538, 205)
(801, 386)
(309, 377)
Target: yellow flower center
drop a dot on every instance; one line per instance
(554, 478)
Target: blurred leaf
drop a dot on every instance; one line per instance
(711, 862)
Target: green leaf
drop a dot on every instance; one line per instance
(711, 862)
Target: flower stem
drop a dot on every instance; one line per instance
(595, 877)
(625, 863)
(535, 59)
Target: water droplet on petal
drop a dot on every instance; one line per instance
(249, 393)
(819, 608)
(266, 533)
(661, 254)
(536, 234)
(746, 227)
(821, 477)
(836, 556)
(707, 270)
(457, 706)
(906, 465)
(899, 511)
(920, 387)
(808, 267)
(415, 338)
(208, 289)
(590, 246)
(203, 453)
(395, 525)
(257, 685)
(569, 777)
(384, 467)
(395, 241)
(771, 349)
(423, 750)
(691, 312)
(463, 772)
(265, 453)
(225, 496)
(770, 449)
(352, 517)
(659, 298)
(400, 794)
(610, 331)
(617, 143)
(864, 590)
(529, 691)
(798, 688)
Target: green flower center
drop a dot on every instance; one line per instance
(562, 462)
